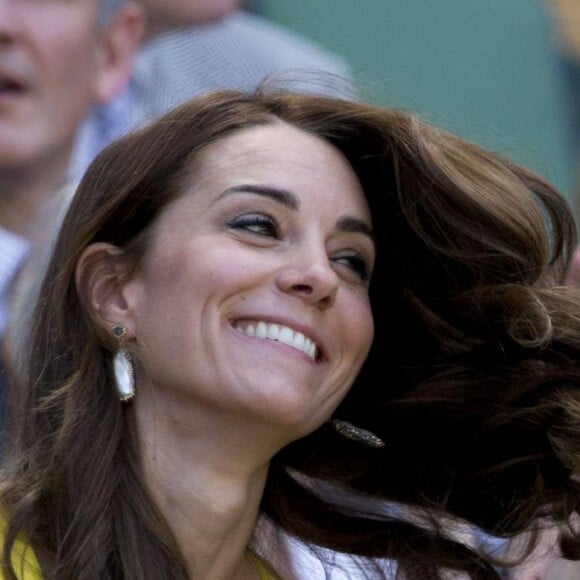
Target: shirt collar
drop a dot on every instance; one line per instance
(14, 250)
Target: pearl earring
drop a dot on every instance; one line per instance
(123, 366)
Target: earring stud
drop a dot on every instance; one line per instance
(119, 330)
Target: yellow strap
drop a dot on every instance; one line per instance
(23, 558)
(26, 565)
(265, 571)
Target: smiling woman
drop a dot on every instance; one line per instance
(301, 312)
(247, 254)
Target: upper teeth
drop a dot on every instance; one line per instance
(280, 333)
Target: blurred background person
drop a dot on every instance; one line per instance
(566, 28)
(194, 46)
(566, 19)
(56, 59)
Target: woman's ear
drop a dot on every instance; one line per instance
(101, 275)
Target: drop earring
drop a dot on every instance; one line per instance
(123, 366)
(357, 434)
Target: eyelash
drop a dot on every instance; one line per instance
(261, 225)
(265, 226)
(356, 263)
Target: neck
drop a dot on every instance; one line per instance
(28, 198)
(207, 476)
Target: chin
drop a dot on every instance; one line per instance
(298, 420)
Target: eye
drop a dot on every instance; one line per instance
(256, 223)
(355, 262)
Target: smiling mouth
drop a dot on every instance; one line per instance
(279, 333)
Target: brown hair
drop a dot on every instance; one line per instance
(473, 378)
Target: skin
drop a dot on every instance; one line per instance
(54, 63)
(167, 14)
(214, 404)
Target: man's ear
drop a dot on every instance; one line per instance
(101, 275)
(119, 43)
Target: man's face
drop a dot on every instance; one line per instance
(51, 61)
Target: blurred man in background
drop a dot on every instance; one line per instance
(56, 59)
(566, 20)
(193, 46)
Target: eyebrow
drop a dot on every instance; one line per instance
(287, 198)
(282, 196)
(350, 224)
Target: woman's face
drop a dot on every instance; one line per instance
(253, 297)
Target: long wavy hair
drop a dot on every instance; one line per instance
(473, 379)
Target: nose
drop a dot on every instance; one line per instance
(313, 280)
(9, 21)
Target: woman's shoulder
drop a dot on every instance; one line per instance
(23, 558)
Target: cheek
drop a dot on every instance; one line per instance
(180, 283)
(71, 53)
(79, 69)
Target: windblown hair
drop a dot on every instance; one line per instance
(473, 380)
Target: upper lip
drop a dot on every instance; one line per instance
(11, 78)
(306, 329)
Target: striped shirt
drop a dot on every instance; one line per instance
(235, 53)
(13, 253)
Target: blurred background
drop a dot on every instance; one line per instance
(501, 73)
